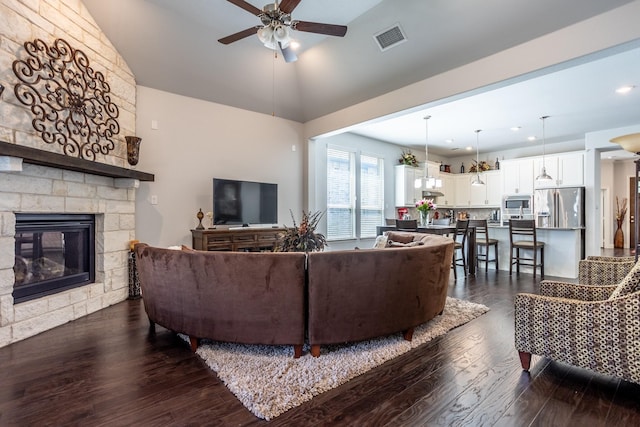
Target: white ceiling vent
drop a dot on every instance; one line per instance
(386, 39)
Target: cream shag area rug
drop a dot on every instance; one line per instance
(269, 381)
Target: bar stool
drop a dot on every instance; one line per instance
(525, 227)
(483, 240)
(462, 226)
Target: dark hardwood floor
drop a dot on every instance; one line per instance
(105, 370)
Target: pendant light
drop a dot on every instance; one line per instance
(477, 181)
(427, 182)
(543, 177)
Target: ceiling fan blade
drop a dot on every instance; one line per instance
(246, 6)
(316, 27)
(239, 35)
(287, 6)
(287, 53)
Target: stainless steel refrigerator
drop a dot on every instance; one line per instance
(559, 207)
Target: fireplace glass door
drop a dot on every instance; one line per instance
(53, 252)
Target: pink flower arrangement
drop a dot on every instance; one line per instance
(426, 205)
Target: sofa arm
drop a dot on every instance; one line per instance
(599, 270)
(575, 291)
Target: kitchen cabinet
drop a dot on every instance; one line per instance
(462, 184)
(406, 192)
(449, 191)
(517, 176)
(566, 169)
(488, 195)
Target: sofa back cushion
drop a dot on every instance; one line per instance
(630, 284)
(249, 297)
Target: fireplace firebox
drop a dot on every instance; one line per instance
(53, 253)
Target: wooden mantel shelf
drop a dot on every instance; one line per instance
(46, 158)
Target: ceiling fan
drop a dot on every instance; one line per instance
(276, 20)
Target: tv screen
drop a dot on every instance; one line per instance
(244, 202)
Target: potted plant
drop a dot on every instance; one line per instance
(303, 237)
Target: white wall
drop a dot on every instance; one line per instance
(197, 141)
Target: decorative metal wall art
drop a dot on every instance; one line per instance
(71, 101)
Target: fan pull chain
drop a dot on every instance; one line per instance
(273, 83)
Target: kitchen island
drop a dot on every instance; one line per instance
(563, 249)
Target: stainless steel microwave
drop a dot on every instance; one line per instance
(517, 202)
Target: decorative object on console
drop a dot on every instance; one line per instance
(71, 101)
(621, 212)
(303, 237)
(210, 216)
(200, 215)
(478, 166)
(543, 177)
(133, 149)
(631, 142)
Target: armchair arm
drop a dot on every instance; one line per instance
(601, 270)
(599, 335)
(575, 291)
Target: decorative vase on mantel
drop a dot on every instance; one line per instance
(425, 216)
(618, 238)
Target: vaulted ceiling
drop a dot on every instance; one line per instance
(172, 45)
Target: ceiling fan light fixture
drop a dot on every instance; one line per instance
(281, 35)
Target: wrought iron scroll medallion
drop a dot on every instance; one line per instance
(71, 101)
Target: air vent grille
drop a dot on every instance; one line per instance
(390, 37)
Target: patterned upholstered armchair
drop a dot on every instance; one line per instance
(592, 327)
(604, 270)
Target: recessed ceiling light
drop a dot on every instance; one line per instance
(516, 128)
(294, 44)
(448, 141)
(625, 89)
(531, 138)
(469, 148)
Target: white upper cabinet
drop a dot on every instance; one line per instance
(517, 176)
(489, 194)
(406, 192)
(449, 191)
(566, 169)
(462, 184)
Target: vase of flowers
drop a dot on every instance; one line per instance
(302, 237)
(425, 207)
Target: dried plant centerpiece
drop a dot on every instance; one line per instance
(408, 158)
(303, 237)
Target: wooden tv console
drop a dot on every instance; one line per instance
(245, 239)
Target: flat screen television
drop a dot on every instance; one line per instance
(244, 202)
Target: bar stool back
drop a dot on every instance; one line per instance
(522, 235)
(483, 241)
(460, 239)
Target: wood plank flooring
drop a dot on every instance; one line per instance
(106, 370)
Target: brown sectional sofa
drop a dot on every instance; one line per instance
(259, 298)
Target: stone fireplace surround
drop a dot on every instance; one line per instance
(34, 188)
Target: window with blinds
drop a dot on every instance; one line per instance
(346, 218)
(371, 195)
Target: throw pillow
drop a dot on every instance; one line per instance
(629, 284)
(405, 245)
(381, 242)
